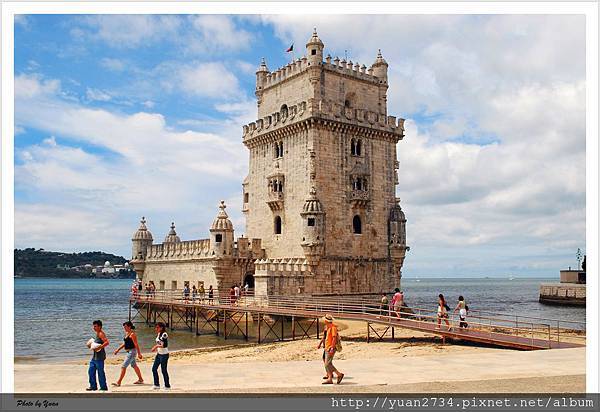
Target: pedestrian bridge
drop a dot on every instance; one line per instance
(285, 317)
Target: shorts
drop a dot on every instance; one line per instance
(130, 359)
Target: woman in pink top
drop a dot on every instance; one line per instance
(397, 301)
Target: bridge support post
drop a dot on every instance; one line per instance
(196, 316)
(217, 322)
(259, 321)
(393, 337)
(225, 324)
(246, 336)
(317, 328)
(293, 328)
(282, 326)
(368, 332)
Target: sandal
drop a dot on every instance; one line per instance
(327, 382)
(340, 377)
(115, 384)
(138, 382)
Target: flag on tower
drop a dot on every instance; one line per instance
(290, 49)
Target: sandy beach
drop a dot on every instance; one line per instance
(414, 362)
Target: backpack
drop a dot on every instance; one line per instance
(338, 343)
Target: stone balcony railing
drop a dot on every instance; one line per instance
(359, 197)
(275, 200)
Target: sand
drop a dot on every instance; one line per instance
(413, 362)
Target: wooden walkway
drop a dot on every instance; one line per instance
(228, 318)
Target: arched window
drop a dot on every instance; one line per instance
(277, 225)
(280, 149)
(352, 147)
(276, 150)
(218, 238)
(357, 225)
(358, 147)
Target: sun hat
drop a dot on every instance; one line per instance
(328, 318)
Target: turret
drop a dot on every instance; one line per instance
(380, 67)
(221, 234)
(142, 240)
(172, 235)
(397, 240)
(313, 228)
(314, 49)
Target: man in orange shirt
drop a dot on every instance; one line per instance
(330, 343)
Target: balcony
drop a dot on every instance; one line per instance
(359, 198)
(275, 200)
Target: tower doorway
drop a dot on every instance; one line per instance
(249, 279)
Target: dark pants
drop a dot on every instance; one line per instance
(161, 360)
(97, 366)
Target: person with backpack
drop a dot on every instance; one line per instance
(332, 344)
(462, 309)
(162, 355)
(442, 312)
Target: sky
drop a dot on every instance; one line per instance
(123, 116)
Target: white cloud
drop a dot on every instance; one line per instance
(217, 33)
(33, 86)
(144, 167)
(211, 79)
(127, 31)
(97, 95)
(115, 65)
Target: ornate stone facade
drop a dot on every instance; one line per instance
(319, 198)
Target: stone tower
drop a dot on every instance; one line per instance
(320, 192)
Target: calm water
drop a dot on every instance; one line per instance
(53, 317)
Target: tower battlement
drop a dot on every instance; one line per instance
(327, 110)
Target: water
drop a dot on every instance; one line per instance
(53, 317)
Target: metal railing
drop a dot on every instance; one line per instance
(519, 330)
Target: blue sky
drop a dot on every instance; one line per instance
(122, 116)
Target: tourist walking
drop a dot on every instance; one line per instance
(152, 289)
(211, 293)
(246, 288)
(384, 305)
(442, 312)
(201, 291)
(131, 346)
(231, 295)
(194, 293)
(97, 361)
(162, 356)
(236, 292)
(462, 309)
(331, 342)
(397, 302)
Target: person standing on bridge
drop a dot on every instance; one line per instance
(211, 294)
(398, 302)
(331, 342)
(442, 312)
(462, 309)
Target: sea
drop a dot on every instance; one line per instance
(53, 317)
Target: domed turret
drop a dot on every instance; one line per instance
(397, 225)
(221, 239)
(261, 74)
(142, 240)
(107, 264)
(172, 235)
(314, 48)
(313, 227)
(380, 67)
